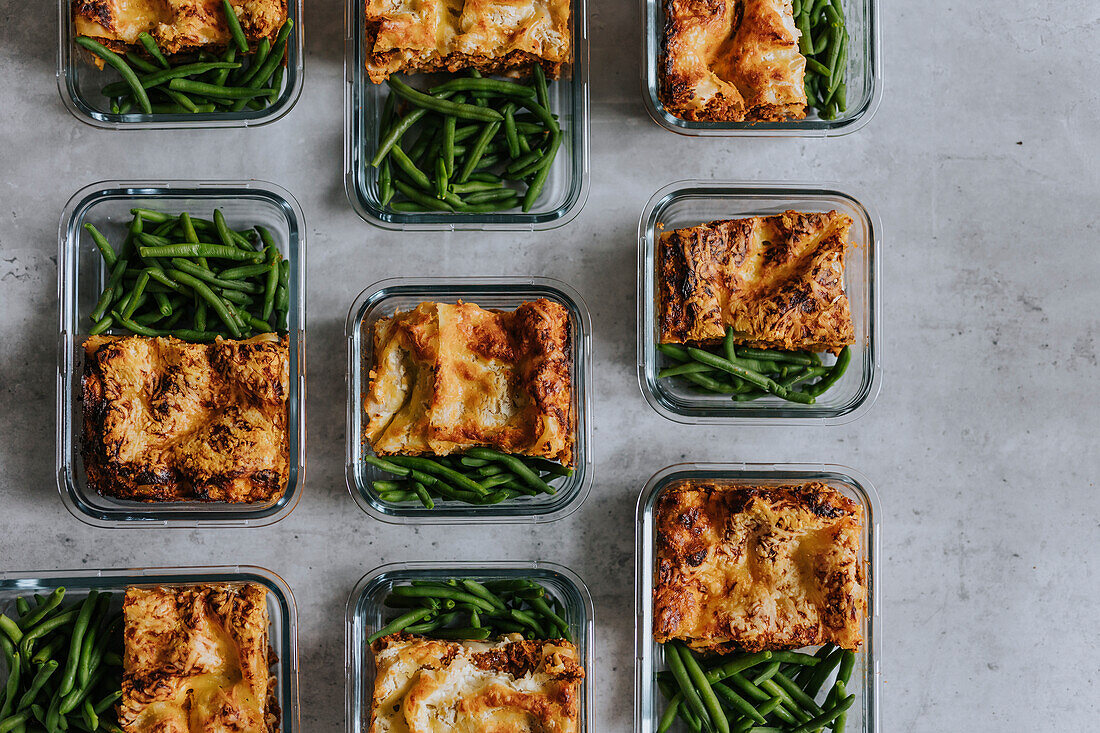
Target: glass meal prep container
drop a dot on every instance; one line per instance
(81, 275)
(79, 82)
(282, 612)
(649, 704)
(689, 203)
(863, 79)
(566, 188)
(365, 614)
(503, 293)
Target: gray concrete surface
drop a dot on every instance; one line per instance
(982, 162)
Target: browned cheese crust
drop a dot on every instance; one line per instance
(427, 685)
(167, 420)
(196, 658)
(450, 377)
(731, 61)
(777, 280)
(754, 568)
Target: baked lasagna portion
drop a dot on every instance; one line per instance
(177, 25)
(449, 377)
(494, 36)
(433, 686)
(755, 567)
(732, 61)
(196, 658)
(168, 420)
(777, 280)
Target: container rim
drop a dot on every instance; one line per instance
(454, 286)
(64, 467)
(740, 188)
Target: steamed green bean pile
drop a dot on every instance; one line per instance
(748, 374)
(192, 278)
(824, 43)
(155, 84)
(766, 692)
(473, 137)
(480, 476)
(470, 610)
(64, 665)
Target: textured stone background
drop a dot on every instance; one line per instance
(982, 162)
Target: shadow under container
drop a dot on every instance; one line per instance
(649, 704)
(281, 610)
(79, 82)
(690, 203)
(564, 193)
(863, 79)
(81, 276)
(366, 614)
(386, 297)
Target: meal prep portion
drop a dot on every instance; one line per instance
(464, 654)
(753, 60)
(745, 305)
(183, 658)
(470, 404)
(745, 575)
(187, 56)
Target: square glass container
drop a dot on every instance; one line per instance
(566, 188)
(384, 298)
(79, 82)
(283, 614)
(365, 614)
(80, 278)
(864, 715)
(863, 78)
(689, 203)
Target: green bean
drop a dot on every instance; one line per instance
(753, 377)
(806, 660)
(412, 591)
(36, 685)
(11, 686)
(208, 295)
(687, 687)
(157, 78)
(152, 48)
(235, 27)
(835, 373)
(435, 468)
(839, 692)
(200, 250)
(76, 696)
(789, 357)
(423, 495)
(11, 629)
(772, 688)
(140, 64)
(216, 92)
(681, 369)
(766, 674)
(220, 76)
(442, 105)
(478, 151)
(515, 465)
(104, 247)
(417, 176)
(825, 717)
(429, 202)
(496, 86)
(136, 295)
(399, 623)
(238, 273)
(543, 607)
(385, 465)
(480, 590)
(542, 93)
(257, 64)
(122, 67)
(14, 721)
(203, 273)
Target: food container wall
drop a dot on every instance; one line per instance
(79, 82)
(864, 715)
(81, 275)
(566, 188)
(365, 614)
(863, 79)
(505, 293)
(283, 631)
(688, 203)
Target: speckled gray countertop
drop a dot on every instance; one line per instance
(983, 164)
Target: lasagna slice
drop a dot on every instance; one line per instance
(167, 420)
(177, 25)
(450, 377)
(196, 658)
(777, 280)
(494, 36)
(433, 686)
(731, 61)
(753, 567)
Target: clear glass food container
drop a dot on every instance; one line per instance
(283, 614)
(80, 279)
(688, 203)
(79, 82)
(864, 715)
(504, 293)
(566, 188)
(864, 81)
(365, 614)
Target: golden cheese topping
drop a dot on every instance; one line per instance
(196, 661)
(433, 686)
(450, 377)
(777, 280)
(167, 420)
(732, 60)
(448, 35)
(758, 567)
